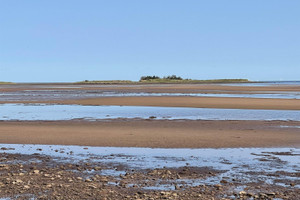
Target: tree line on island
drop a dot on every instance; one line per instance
(172, 77)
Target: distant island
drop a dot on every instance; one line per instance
(3, 82)
(166, 79)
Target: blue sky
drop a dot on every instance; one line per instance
(72, 40)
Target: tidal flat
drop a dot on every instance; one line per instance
(160, 141)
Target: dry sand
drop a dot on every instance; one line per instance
(154, 133)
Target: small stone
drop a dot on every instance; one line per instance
(36, 171)
(242, 193)
(19, 181)
(168, 172)
(26, 187)
(97, 168)
(271, 194)
(250, 195)
(262, 195)
(123, 184)
(93, 186)
(292, 184)
(223, 181)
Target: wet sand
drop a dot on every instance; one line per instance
(193, 102)
(178, 101)
(196, 102)
(154, 133)
(187, 101)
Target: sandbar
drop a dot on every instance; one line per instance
(154, 133)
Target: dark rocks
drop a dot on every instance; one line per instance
(84, 180)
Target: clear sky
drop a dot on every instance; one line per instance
(73, 40)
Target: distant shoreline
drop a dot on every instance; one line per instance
(129, 82)
(164, 81)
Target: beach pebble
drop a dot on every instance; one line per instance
(26, 187)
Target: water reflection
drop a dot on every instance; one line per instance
(70, 112)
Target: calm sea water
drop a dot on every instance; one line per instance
(70, 112)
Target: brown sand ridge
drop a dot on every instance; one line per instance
(196, 102)
(154, 133)
(179, 101)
